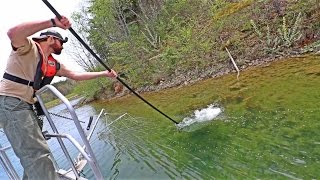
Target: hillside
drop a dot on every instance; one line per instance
(164, 43)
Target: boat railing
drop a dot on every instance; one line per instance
(6, 163)
(86, 149)
(86, 154)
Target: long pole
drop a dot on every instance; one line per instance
(103, 64)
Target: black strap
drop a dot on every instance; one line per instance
(53, 23)
(17, 79)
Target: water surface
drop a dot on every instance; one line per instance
(269, 128)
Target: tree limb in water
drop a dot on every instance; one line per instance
(233, 62)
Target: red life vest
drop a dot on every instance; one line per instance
(46, 70)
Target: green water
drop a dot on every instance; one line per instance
(269, 128)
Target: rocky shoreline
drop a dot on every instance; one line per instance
(181, 79)
(190, 77)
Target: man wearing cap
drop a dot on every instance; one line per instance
(29, 67)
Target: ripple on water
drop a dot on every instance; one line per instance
(200, 116)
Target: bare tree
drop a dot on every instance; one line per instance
(147, 13)
(78, 52)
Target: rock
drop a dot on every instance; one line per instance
(117, 87)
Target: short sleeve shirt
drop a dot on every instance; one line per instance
(21, 63)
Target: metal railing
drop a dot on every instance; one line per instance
(6, 164)
(86, 150)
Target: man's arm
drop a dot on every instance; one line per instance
(18, 34)
(85, 75)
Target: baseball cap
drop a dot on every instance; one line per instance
(44, 35)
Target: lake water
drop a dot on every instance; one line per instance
(268, 128)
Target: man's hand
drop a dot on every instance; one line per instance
(63, 23)
(111, 74)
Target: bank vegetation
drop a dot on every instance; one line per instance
(157, 44)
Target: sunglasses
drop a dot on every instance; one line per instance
(61, 42)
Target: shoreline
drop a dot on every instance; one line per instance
(182, 80)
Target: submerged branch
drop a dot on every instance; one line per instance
(233, 62)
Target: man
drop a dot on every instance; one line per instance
(30, 66)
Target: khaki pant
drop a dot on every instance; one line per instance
(21, 128)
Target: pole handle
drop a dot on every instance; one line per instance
(52, 9)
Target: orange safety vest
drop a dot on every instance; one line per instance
(46, 70)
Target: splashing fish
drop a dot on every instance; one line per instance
(199, 116)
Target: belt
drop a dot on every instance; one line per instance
(17, 79)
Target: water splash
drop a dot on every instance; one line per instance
(200, 116)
